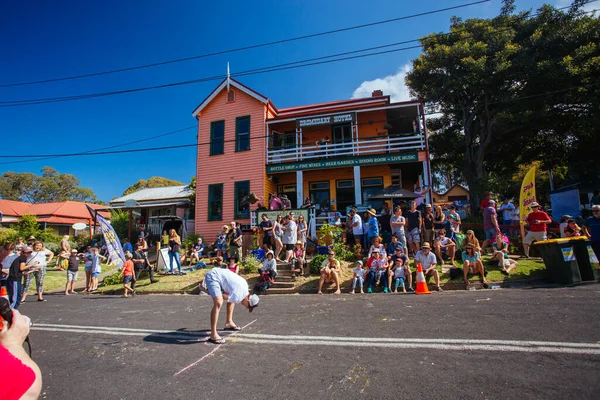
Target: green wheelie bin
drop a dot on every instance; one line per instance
(560, 261)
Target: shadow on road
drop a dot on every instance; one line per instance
(180, 336)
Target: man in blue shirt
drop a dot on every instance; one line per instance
(592, 229)
(373, 225)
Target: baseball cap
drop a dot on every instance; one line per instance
(26, 249)
(399, 248)
(359, 262)
(253, 302)
(492, 201)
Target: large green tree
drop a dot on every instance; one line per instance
(51, 186)
(154, 182)
(511, 89)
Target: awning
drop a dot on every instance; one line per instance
(154, 204)
(394, 192)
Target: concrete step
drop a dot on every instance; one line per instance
(283, 278)
(280, 284)
(275, 290)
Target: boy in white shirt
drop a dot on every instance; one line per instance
(359, 276)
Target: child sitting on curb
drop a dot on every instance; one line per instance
(400, 274)
(359, 277)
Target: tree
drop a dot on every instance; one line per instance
(154, 182)
(512, 89)
(51, 186)
(193, 197)
(119, 220)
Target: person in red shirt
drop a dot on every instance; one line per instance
(128, 275)
(21, 376)
(537, 221)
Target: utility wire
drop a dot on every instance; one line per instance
(273, 68)
(255, 46)
(254, 137)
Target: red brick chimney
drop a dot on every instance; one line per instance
(377, 93)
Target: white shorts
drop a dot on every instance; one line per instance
(534, 236)
(414, 236)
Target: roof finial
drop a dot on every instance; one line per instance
(227, 77)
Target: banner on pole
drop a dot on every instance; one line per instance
(113, 244)
(527, 194)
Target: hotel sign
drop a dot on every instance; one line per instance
(327, 120)
(344, 162)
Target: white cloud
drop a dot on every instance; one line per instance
(392, 85)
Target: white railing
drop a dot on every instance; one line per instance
(364, 146)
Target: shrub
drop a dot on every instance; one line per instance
(113, 279)
(250, 265)
(343, 252)
(327, 234)
(8, 235)
(190, 240)
(119, 220)
(52, 246)
(315, 263)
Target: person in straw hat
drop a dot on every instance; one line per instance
(373, 225)
(428, 261)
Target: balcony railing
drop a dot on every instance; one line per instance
(360, 147)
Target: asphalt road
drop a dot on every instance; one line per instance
(500, 344)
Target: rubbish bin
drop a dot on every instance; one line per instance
(582, 248)
(560, 261)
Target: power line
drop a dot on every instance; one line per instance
(255, 46)
(104, 148)
(254, 137)
(262, 70)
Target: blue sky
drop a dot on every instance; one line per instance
(44, 40)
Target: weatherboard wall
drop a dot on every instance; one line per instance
(232, 166)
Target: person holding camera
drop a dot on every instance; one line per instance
(21, 376)
(16, 273)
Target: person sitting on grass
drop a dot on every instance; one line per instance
(472, 265)
(299, 258)
(377, 245)
(197, 251)
(499, 250)
(399, 254)
(444, 246)
(269, 265)
(428, 262)
(391, 247)
(359, 277)
(128, 276)
(330, 272)
(72, 270)
(470, 238)
(400, 273)
(233, 266)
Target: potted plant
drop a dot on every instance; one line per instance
(255, 249)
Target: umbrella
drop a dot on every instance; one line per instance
(394, 192)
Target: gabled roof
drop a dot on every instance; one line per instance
(73, 211)
(181, 192)
(453, 186)
(67, 209)
(235, 84)
(14, 208)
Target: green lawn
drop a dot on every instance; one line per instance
(166, 283)
(56, 279)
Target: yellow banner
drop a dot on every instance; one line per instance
(527, 194)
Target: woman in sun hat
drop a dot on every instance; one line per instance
(373, 225)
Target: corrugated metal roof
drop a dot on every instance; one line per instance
(153, 194)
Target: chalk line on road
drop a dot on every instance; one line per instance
(533, 346)
(212, 352)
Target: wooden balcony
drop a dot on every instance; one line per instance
(357, 147)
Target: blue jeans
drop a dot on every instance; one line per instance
(14, 293)
(371, 279)
(174, 254)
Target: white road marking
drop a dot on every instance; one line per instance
(300, 340)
